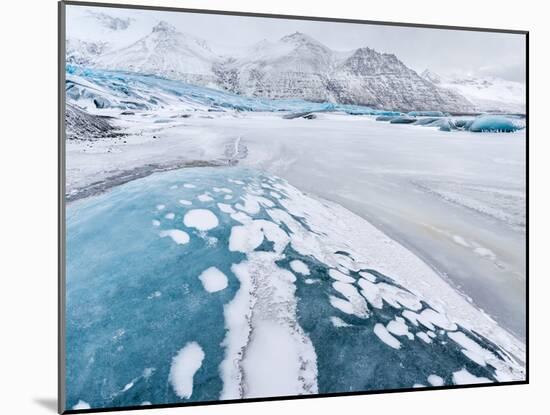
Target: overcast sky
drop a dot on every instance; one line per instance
(442, 51)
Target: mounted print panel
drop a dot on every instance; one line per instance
(260, 207)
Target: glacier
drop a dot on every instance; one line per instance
(125, 90)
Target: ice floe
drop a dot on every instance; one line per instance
(184, 366)
(178, 236)
(399, 328)
(435, 380)
(386, 336)
(463, 377)
(225, 208)
(81, 405)
(358, 303)
(205, 197)
(340, 276)
(299, 266)
(201, 219)
(338, 322)
(213, 280)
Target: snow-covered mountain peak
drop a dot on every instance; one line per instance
(487, 93)
(164, 27)
(431, 76)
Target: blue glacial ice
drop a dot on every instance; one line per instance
(137, 91)
(494, 123)
(142, 298)
(426, 114)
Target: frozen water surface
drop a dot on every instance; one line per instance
(346, 334)
(413, 241)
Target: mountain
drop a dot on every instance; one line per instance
(80, 52)
(165, 52)
(294, 66)
(489, 94)
(381, 80)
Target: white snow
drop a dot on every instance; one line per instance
(160, 207)
(205, 197)
(189, 186)
(178, 236)
(435, 380)
(399, 328)
(385, 336)
(222, 190)
(247, 237)
(424, 337)
(358, 303)
(279, 358)
(225, 208)
(155, 222)
(368, 276)
(170, 216)
(201, 219)
(342, 305)
(463, 377)
(339, 276)
(299, 267)
(185, 202)
(472, 349)
(213, 280)
(184, 366)
(338, 322)
(128, 386)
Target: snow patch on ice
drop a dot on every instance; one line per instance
(338, 322)
(463, 377)
(213, 280)
(385, 336)
(201, 219)
(178, 236)
(184, 366)
(82, 405)
(299, 267)
(205, 197)
(340, 276)
(424, 337)
(399, 328)
(225, 208)
(435, 380)
(358, 304)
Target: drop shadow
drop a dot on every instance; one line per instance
(48, 403)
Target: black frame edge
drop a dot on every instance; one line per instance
(61, 209)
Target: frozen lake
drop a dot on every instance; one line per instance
(456, 199)
(230, 283)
